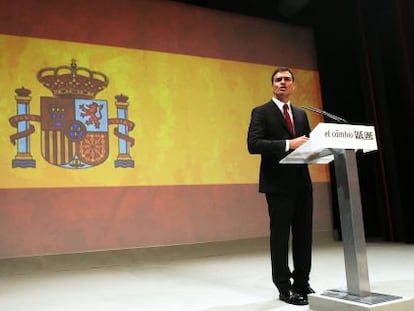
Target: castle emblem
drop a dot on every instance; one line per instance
(74, 123)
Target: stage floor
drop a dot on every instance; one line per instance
(225, 276)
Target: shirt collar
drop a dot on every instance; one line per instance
(280, 103)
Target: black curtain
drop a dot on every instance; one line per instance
(365, 54)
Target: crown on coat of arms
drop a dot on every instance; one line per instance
(72, 81)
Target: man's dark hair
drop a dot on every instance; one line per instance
(282, 69)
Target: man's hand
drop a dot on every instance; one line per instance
(298, 141)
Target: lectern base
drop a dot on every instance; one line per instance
(340, 300)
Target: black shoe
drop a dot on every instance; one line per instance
(305, 291)
(293, 298)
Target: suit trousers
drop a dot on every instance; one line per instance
(290, 214)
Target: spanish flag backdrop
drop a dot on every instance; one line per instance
(130, 131)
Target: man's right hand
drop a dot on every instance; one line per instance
(298, 141)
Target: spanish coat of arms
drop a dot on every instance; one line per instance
(74, 124)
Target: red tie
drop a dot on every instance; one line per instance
(288, 119)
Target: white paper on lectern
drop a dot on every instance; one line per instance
(327, 136)
(308, 153)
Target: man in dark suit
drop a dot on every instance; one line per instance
(288, 187)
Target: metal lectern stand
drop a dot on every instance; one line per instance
(339, 142)
(353, 236)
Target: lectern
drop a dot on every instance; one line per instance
(339, 142)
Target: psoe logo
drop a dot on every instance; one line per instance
(74, 124)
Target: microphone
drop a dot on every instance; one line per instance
(326, 114)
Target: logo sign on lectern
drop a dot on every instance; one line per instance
(328, 136)
(344, 136)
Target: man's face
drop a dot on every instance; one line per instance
(282, 85)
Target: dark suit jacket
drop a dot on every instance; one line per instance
(267, 136)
